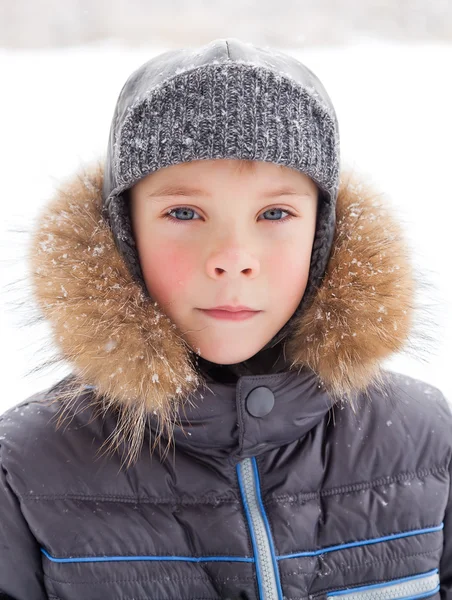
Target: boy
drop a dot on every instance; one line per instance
(298, 467)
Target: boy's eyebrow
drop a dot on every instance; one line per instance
(182, 190)
(176, 190)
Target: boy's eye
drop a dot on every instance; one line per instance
(183, 213)
(276, 211)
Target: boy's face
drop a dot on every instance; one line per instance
(229, 241)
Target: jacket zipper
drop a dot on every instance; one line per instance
(264, 553)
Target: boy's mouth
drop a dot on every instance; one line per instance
(238, 314)
(231, 308)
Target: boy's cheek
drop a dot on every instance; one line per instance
(167, 271)
(288, 276)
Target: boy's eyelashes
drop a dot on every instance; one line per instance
(275, 209)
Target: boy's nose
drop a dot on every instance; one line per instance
(233, 264)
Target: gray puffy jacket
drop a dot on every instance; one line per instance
(326, 479)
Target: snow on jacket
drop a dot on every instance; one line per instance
(338, 488)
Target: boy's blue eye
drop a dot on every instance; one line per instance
(273, 210)
(184, 212)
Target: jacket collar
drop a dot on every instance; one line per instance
(121, 343)
(221, 424)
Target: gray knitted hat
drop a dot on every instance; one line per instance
(227, 99)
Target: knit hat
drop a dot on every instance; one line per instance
(227, 99)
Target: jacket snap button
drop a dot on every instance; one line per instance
(260, 401)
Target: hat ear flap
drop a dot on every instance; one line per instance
(120, 223)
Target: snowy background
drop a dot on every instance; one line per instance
(393, 102)
(175, 23)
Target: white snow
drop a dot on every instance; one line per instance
(393, 104)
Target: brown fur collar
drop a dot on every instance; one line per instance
(120, 342)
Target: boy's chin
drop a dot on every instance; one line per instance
(224, 357)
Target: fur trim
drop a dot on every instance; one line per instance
(363, 311)
(120, 342)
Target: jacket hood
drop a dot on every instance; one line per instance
(122, 344)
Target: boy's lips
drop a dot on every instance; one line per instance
(231, 315)
(231, 308)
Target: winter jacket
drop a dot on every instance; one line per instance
(328, 479)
